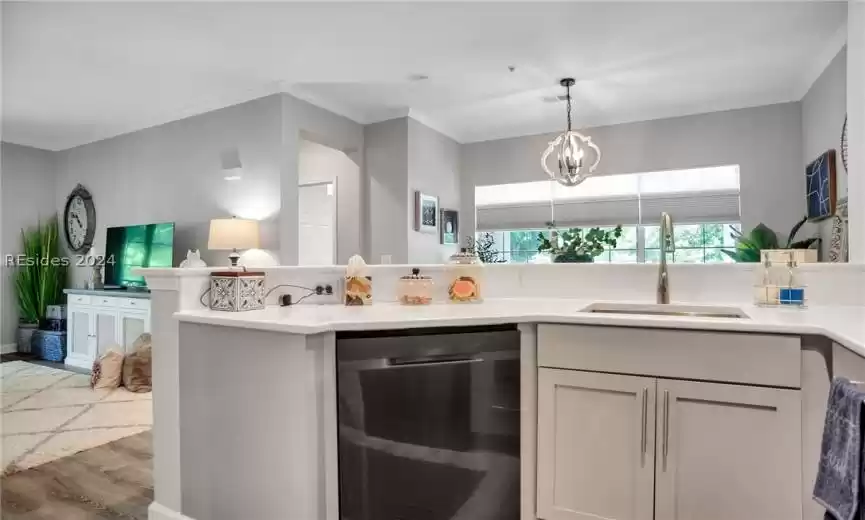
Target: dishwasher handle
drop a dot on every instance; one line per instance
(443, 359)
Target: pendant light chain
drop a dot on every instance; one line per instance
(569, 107)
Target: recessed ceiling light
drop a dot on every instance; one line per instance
(418, 77)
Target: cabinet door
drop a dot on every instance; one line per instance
(595, 446)
(79, 332)
(132, 325)
(727, 451)
(105, 330)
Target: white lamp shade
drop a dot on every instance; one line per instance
(233, 233)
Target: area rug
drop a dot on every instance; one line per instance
(50, 413)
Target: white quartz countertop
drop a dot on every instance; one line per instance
(842, 324)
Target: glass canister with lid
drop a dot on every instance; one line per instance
(465, 275)
(415, 289)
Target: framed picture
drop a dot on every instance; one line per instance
(426, 213)
(820, 191)
(450, 226)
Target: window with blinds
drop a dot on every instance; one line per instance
(690, 196)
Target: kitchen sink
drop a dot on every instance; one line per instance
(652, 309)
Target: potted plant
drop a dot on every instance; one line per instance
(39, 280)
(575, 245)
(484, 248)
(748, 247)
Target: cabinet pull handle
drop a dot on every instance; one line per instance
(666, 445)
(644, 420)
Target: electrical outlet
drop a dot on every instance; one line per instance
(325, 292)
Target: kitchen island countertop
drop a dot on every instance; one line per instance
(844, 325)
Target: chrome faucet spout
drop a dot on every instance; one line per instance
(667, 245)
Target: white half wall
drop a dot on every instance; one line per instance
(320, 163)
(764, 141)
(823, 110)
(173, 173)
(27, 190)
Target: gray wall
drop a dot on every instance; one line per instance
(764, 141)
(386, 169)
(823, 111)
(404, 156)
(27, 190)
(172, 173)
(320, 163)
(303, 121)
(433, 168)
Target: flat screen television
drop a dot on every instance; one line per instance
(130, 247)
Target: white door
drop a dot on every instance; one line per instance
(727, 452)
(105, 330)
(132, 325)
(596, 455)
(317, 221)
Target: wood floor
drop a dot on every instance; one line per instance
(112, 481)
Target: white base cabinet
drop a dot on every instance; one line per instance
(98, 323)
(620, 447)
(596, 456)
(655, 425)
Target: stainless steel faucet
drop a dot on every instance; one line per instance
(667, 246)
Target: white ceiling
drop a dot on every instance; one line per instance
(75, 73)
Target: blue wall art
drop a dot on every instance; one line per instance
(820, 188)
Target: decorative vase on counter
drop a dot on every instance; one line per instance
(24, 336)
(465, 275)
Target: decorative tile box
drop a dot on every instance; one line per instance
(236, 291)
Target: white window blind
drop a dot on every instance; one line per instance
(698, 195)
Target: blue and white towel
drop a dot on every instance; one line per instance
(838, 484)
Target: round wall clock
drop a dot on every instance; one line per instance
(844, 146)
(79, 220)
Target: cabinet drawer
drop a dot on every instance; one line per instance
(80, 299)
(761, 359)
(104, 301)
(134, 303)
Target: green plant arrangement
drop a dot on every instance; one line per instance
(748, 247)
(484, 248)
(41, 274)
(575, 245)
(800, 244)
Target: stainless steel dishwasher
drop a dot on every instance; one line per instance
(429, 424)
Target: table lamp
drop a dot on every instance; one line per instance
(233, 234)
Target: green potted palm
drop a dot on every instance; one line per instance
(575, 245)
(762, 237)
(40, 278)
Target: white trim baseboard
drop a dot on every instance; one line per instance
(159, 512)
(9, 348)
